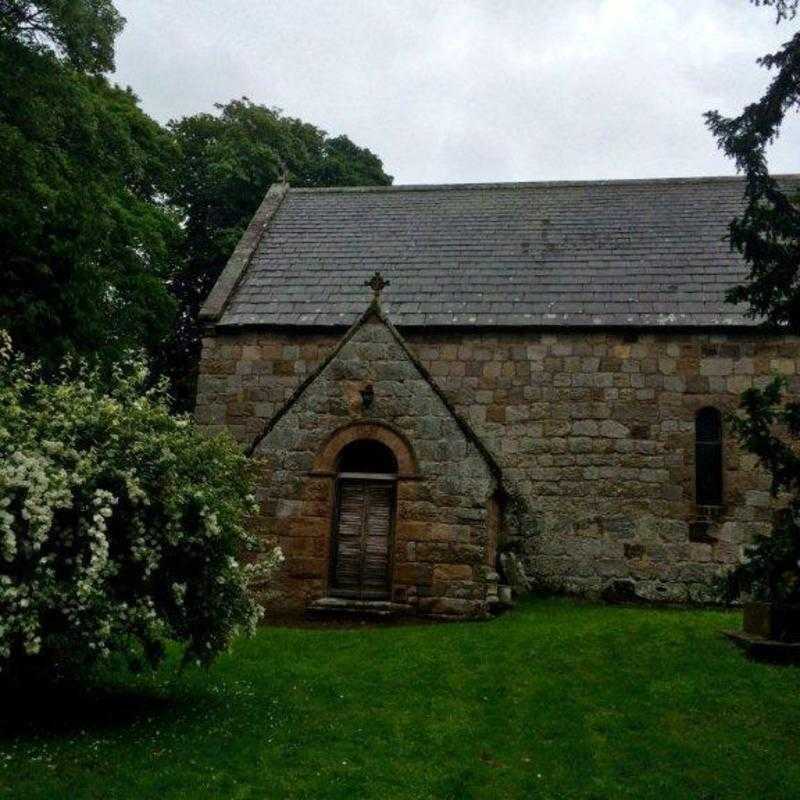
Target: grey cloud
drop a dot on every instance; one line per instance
(471, 91)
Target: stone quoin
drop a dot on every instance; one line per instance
(433, 378)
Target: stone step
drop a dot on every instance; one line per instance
(346, 605)
(502, 600)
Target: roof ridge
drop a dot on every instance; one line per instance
(427, 187)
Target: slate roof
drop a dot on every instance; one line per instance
(604, 253)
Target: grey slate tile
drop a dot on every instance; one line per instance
(649, 252)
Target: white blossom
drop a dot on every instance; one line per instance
(94, 484)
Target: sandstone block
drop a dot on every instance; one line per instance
(716, 366)
(784, 366)
(452, 572)
(612, 429)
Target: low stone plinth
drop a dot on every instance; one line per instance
(776, 621)
(761, 649)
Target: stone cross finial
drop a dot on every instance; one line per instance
(377, 284)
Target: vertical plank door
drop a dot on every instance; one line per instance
(379, 499)
(362, 539)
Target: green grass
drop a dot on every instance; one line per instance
(557, 699)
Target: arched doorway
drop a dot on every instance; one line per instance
(366, 490)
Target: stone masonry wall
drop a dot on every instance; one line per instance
(442, 542)
(594, 429)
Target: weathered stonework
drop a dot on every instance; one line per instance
(443, 540)
(594, 429)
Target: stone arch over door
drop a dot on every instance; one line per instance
(327, 459)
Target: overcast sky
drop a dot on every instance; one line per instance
(474, 90)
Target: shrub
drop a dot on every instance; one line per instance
(120, 523)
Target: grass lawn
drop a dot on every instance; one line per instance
(557, 699)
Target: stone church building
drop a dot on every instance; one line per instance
(537, 379)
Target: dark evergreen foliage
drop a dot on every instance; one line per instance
(768, 233)
(768, 236)
(769, 427)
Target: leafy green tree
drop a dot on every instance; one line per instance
(229, 160)
(82, 31)
(87, 242)
(767, 234)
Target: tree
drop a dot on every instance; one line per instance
(229, 160)
(766, 427)
(768, 237)
(120, 524)
(81, 31)
(88, 243)
(768, 233)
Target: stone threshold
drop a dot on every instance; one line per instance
(346, 605)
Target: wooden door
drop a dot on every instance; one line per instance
(362, 538)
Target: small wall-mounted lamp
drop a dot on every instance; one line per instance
(367, 395)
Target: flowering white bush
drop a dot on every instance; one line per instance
(120, 523)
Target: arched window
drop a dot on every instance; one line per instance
(708, 456)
